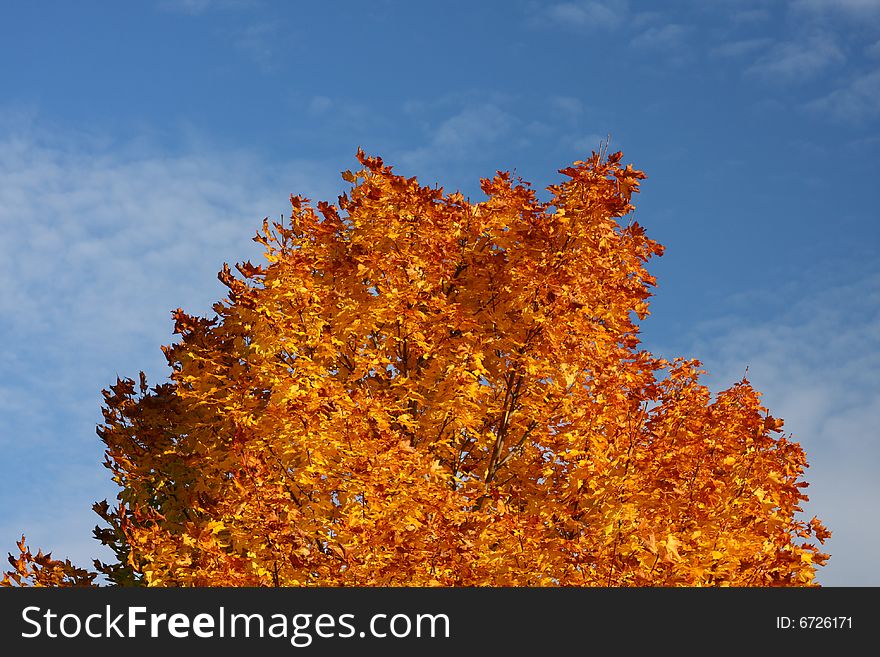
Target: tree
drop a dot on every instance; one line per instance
(419, 390)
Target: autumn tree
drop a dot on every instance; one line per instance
(415, 389)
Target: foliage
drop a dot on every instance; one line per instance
(420, 390)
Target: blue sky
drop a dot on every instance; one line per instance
(141, 144)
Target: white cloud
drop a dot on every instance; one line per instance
(817, 364)
(749, 16)
(583, 145)
(857, 101)
(343, 113)
(198, 7)
(192, 7)
(472, 126)
(587, 14)
(663, 37)
(860, 9)
(320, 104)
(96, 249)
(258, 42)
(463, 135)
(794, 61)
(740, 48)
(567, 106)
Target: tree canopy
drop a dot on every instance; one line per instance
(415, 389)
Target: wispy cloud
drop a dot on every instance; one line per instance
(96, 249)
(857, 101)
(257, 42)
(749, 16)
(859, 9)
(817, 364)
(795, 61)
(320, 105)
(347, 116)
(566, 107)
(583, 145)
(197, 7)
(661, 37)
(257, 39)
(741, 48)
(582, 15)
(463, 135)
(588, 14)
(192, 7)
